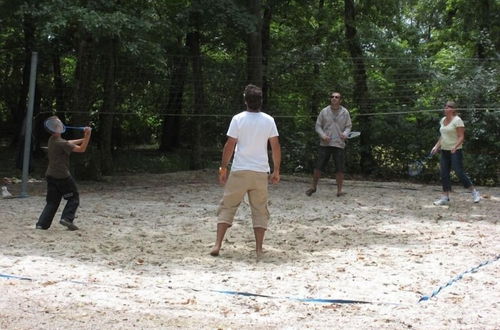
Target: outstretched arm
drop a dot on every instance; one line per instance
(460, 139)
(81, 144)
(276, 150)
(227, 153)
(77, 142)
(436, 147)
(347, 129)
(319, 129)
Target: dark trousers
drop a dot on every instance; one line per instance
(324, 155)
(56, 190)
(453, 162)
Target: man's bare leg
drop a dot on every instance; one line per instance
(316, 176)
(259, 239)
(221, 232)
(339, 177)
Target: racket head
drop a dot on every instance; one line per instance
(353, 134)
(54, 125)
(415, 168)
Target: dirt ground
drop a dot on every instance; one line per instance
(141, 258)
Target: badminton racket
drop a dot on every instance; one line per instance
(353, 134)
(55, 125)
(417, 167)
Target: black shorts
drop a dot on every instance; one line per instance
(324, 156)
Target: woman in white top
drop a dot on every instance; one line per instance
(452, 131)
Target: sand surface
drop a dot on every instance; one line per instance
(141, 258)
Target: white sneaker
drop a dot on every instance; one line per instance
(6, 193)
(476, 197)
(442, 201)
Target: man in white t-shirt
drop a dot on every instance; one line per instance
(247, 137)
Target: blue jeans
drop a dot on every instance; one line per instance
(453, 162)
(57, 189)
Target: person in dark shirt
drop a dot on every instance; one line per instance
(60, 183)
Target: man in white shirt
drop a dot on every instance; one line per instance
(247, 137)
(333, 126)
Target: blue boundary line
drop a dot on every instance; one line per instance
(15, 277)
(307, 300)
(313, 300)
(458, 277)
(228, 292)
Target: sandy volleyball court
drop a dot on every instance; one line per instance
(141, 258)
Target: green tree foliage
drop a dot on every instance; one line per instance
(126, 67)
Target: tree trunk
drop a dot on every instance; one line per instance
(361, 94)
(193, 43)
(316, 94)
(29, 45)
(108, 108)
(84, 73)
(254, 45)
(58, 84)
(171, 124)
(266, 47)
(87, 165)
(484, 18)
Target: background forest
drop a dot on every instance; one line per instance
(160, 80)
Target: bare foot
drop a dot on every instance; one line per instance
(215, 251)
(310, 191)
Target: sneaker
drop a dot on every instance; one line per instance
(442, 201)
(40, 227)
(70, 225)
(6, 193)
(476, 197)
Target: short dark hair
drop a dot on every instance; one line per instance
(253, 97)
